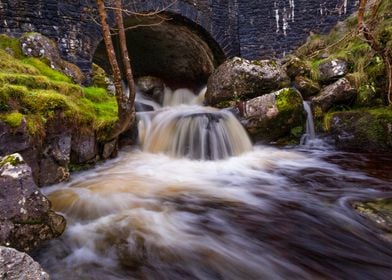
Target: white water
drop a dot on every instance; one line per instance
(310, 134)
(264, 213)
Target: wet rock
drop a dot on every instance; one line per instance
(109, 149)
(55, 159)
(379, 212)
(332, 70)
(26, 219)
(83, 148)
(296, 67)
(239, 79)
(274, 116)
(306, 86)
(37, 45)
(338, 93)
(152, 87)
(17, 265)
(14, 139)
(364, 131)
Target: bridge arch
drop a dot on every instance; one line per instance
(170, 46)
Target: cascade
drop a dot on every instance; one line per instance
(184, 128)
(310, 133)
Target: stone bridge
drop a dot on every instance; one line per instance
(187, 40)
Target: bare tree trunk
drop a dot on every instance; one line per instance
(125, 111)
(361, 13)
(124, 51)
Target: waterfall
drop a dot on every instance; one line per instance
(183, 129)
(310, 132)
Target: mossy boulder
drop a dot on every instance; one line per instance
(379, 212)
(99, 77)
(362, 130)
(297, 67)
(37, 45)
(239, 79)
(306, 86)
(278, 116)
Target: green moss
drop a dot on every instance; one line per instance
(13, 119)
(11, 45)
(287, 99)
(45, 70)
(9, 64)
(99, 77)
(10, 159)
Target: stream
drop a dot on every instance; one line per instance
(196, 200)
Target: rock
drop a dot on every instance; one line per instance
(365, 131)
(83, 148)
(55, 159)
(379, 212)
(99, 78)
(274, 116)
(331, 70)
(152, 87)
(26, 219)
(109, 149)
(296, 67)
(340, 92)
(37, 45)
(15, 265)
(306, 86)
(14, 139)
(239, 79)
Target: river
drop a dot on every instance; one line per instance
(175, 208)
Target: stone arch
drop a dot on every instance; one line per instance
(170, 46)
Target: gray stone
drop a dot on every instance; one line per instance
(84, 148)
(26, 219)
(340, 92)
(274, 116)
(152, 87)
(109, 149)
(332, 70)
(239, 79)
(15, 265)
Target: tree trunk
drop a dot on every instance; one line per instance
(124, 52)
(361, 13)
(125, 111)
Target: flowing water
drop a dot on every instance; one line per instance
(162, 211)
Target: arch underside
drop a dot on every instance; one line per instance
(170, 47)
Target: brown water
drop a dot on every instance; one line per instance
(259, 213)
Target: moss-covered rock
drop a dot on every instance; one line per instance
(239, 79)
(277, 116)
(361, 130)
(306, 86)
(379, 212)
(99, 77)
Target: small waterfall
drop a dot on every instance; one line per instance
(310, 132)
(194, 132)
(184, 128)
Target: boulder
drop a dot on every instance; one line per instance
(238, 79)
(365, 130)
(306, 86)
(275, 116)
(152, 87)
(15, 265)
(296, 67)
(331, 70)
(379, 212)
(26, 219)
(338, 93)
(37, 45)
(84, 148)
(55, 159)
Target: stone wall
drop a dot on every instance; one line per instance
(249, 28)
